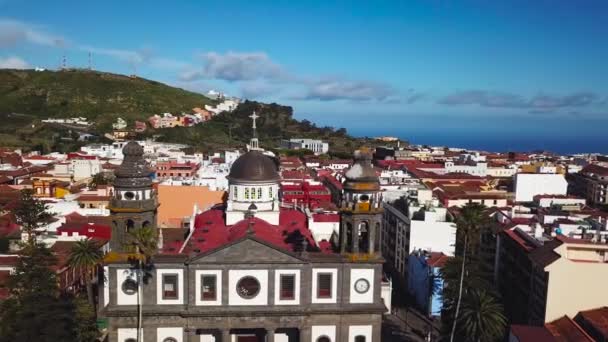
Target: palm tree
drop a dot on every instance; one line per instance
(469, 224)
(144, 243)
(85, 256)
(482, 317)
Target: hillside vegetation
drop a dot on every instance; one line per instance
(27, 96)
(100, 96)
(275, 123)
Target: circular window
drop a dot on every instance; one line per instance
(248, 287)
(362, 285)
(129, 195)
(323, 339)
(129, 287)
(364, 198)
(169, 339)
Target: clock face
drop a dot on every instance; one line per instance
(362, 285)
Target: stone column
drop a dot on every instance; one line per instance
(305, 334)
(343, 234)
(355, 237)
(226, 335)
(270, 335)
(371, 237)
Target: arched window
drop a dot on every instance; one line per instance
(359, 338)
(323, 339)
(169, 339)
(146, 224)
(129, 225)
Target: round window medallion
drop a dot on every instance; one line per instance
(362, 285)
(129, 195)
(129, 287)
(248, 287)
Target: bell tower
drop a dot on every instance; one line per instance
(133, 204)
(361, 207)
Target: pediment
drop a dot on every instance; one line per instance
(247, 251)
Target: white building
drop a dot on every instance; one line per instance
(528, 185)
(413, 223)
(227, 105)
(119, 124)
(317, 146)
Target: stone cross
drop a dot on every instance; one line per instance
(253, 117)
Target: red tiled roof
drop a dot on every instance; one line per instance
(326, 217)
(526, 333)
(211, 232)
(38, 158)
(92, 198)
(565, 329)
(437, 259)
(293, 174)
(597, 318)
(545, 255)
(596, 169)
(91, 230)
(517, 236)
(9, 260)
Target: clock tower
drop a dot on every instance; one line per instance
(133, 204)
(361, 207)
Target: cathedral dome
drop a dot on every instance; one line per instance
(362, 176)
(255, 167)
(134, 171)
(133, 149)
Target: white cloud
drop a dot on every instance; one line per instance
(340, 89)
(236, 66)
(13, 32)
(13, 62)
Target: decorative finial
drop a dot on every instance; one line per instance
(254, 144)
(254, 117)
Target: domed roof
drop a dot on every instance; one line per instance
(132, 148)
(362, 176)
(254, 166)
(133, 172)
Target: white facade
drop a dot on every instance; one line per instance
(170, 334)
(356, 277)
(226, 106)
(528, 185)
(264, 196)
(432, 234)
(317, 146)
(546, 202)
(84, 168)
(233, 278)
(319, 331)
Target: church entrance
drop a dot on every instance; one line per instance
(247, 338)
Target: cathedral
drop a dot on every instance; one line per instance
(248, 270)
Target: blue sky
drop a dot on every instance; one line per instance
(442, 67)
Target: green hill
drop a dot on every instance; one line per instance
(27, 96)
(276, 122)
(96, 95)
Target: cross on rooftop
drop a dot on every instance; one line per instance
(253, 117)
